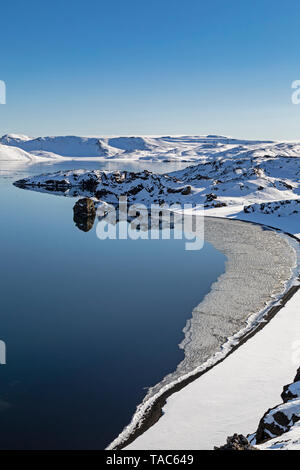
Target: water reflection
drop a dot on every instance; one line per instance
(93, 323)
(139, 221)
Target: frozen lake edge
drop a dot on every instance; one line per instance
(251, 249)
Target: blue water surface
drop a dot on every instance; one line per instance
(88, 323)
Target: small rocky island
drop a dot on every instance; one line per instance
(252, 183)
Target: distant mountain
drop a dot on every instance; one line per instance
(165, 148)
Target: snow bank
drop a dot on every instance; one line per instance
(234, 395)
(256, 275)
(14, 154)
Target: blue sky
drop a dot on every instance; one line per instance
(160, 67)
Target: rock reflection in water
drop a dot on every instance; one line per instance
(85, 212)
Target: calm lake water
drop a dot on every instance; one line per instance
(88, 324)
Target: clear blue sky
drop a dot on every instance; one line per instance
(161, 67)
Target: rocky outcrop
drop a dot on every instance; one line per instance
(142, 186)
(286, 207)
(292, 390)
(216, 181)
(236, 442)
(278, 420)
(84, 214)
(210, 197)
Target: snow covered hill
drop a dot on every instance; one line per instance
(14, 154)
(161, 148)
(251, 184)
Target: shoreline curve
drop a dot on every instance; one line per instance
(150, 410)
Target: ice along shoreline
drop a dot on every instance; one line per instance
(278, 271)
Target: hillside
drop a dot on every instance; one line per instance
(168, 148)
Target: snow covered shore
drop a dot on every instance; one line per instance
(227, 316)
(234, 395)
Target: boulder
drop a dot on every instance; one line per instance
(187, 190)
(85, 207)
(210, 197)
(278, 420)
(84, 214)
(236, 442)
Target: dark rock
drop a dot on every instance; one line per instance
(236, 442)
(297, 377)
(187, 190)
(278, 420)
(201, 177)
(278, 424)
(85, 207)
(210, 197)
(287, 394)
(90, 184)
(135, 190)
(84, 214)
(101, 193)
(248, 209)
(174, 191)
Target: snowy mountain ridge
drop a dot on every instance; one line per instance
(150, 148)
